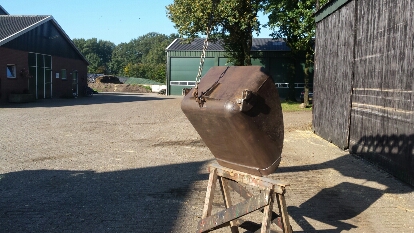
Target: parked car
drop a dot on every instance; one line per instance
(310, 96)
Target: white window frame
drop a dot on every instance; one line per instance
(13, 66)
(182, 83)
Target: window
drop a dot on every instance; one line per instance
(11, 71)
(182, 83)
(63, 73)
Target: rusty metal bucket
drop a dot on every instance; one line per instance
(239, 118)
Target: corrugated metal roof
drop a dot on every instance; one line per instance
(196, 45)
(259, 44)
(12, 26)
(269, 44)
(15, 25)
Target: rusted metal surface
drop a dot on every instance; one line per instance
(235, 211)
(239, 117)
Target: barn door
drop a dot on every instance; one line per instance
(40, 67)
(47, 70)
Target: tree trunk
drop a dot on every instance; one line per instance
(292, 76)
(308, 64)
(247, 49)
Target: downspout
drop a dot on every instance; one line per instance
(168, 72)
(51, 77)
(37, 94)
(44, 77)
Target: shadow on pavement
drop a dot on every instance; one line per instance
(346, 200)
(393, 153)
(101, 98)
(140, 200)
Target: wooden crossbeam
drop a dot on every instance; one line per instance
(235, 211)
(252, 180)
(230, 180)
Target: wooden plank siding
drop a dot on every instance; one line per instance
(334, 51)
(382, 123)
(364, 82)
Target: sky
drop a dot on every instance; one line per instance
(116, 21)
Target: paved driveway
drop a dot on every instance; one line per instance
(133, 163)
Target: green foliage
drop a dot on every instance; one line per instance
(148, 88)
(232, 21)
(152, 71)
(292, 106)
(294, 21)
(141, 81)
(141, 57)
(122, 55)
(97, 52)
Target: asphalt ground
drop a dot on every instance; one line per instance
(133, 163)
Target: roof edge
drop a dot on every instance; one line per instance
(253, 49)
(37, 24)
(329, 8)
(69, 40)
(19, 33)
(7, 13)
(168, 47)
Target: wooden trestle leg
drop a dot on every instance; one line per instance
(230, 180)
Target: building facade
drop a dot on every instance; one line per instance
(363, 83)
(38, 58)
(183, 61)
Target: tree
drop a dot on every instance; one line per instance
(94, 62)
(122, 55)
(232, 21)
(97, 52)
(294, 21)
(143, 57)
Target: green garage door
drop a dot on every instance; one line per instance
(184, 72)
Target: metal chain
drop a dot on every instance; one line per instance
(199, 99)
(203, 56)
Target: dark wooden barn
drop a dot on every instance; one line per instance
(38, 59)
(364, 81)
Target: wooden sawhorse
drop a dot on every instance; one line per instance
(230, 179)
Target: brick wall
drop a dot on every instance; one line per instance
(61, 88)
(18, 84)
